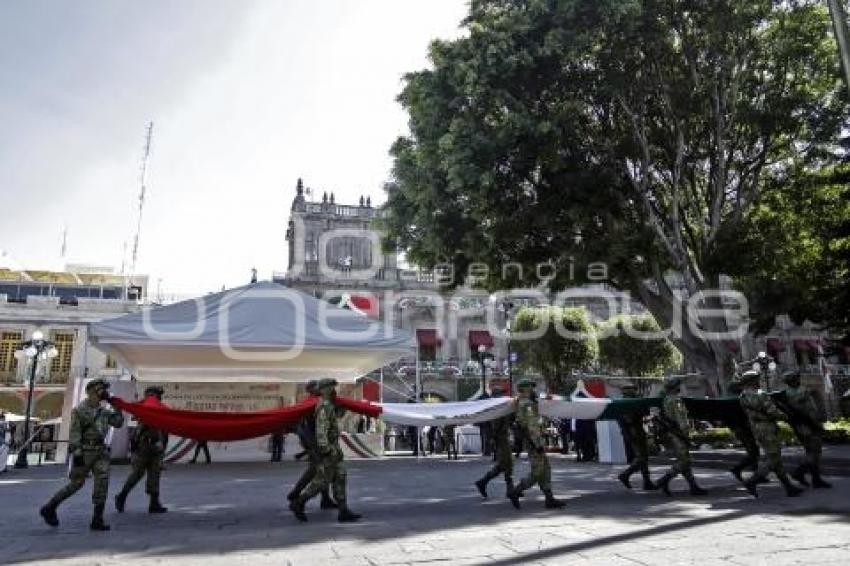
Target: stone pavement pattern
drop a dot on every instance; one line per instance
(426, 512)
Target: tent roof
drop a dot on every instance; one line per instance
(264, 332)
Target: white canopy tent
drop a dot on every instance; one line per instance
(263, 332)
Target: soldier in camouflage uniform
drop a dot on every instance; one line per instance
(147, 448)
(528, 419)
(331, 470)
(744, 434)
(673, 422)
(306, 432)
(807, 422)
(501, 432)
(90, 423)
(634, 435)
(763, 416)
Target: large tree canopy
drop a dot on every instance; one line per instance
(638, 133)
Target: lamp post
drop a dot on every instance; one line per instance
(483, 356)
(764, 364)
(35, 350)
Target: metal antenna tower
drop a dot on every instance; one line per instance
(142, 182)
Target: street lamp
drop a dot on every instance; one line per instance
(764, 365)
(483, 357)
(35, 350)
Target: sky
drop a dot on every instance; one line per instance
(245, 97)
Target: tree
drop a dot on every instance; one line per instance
(641, 134)
(554, 354)
(636, 356)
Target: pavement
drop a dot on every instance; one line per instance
(427, 512)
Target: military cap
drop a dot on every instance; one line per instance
(326, 382)
(791, 376)
(97, 383)
(154, 390)
(311, 386)
(672, 383)
(526, 384)
(748, 377)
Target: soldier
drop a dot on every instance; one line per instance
(528, 420)
(306, 432)
(763, 415)
(807, 422)
(634, 435)
(673, 421)
(744, 434)
(147, 449)
(501, 430)
(331, 469)
(90, 423)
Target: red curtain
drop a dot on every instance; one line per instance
(208, 425)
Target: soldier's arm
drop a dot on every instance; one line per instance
(323, 427)
(769, 408)
(75, 437)
(115, 418)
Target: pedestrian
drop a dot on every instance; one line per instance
(277, 440)
(565, 431)
(90, 424)
(528, 418)
(450, 441)
(763, 415)
(634, 437)
(431, 435)
(673, 421)
(4, 448)
(147, 448)
(201, 445)
(807, 422)
(331, 470)
(306, 432)
(501, 431)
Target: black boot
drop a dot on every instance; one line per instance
(818, 482)
(482, 487)
(664, 483)
(509, 485)
(736, 471)
(692, 483)
(155, 506)
(624, 479)
(120, 502)
(97, 523)
(347, 516)
(297, 507)
(327, 502)
(750, 485)
(48, 513)
(551, 502)
(791, 490)
(799, 474)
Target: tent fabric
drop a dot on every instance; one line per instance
(441, 414)
(263, 332)
(480, 338)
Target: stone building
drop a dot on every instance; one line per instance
(61, 305)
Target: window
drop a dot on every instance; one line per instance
(60, 366)
(10, 342)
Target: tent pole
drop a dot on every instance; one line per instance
(418, 393)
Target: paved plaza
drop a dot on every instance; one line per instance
(427, 512)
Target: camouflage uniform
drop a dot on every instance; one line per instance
(90, 425)
(501, 429)
(674, 422)
(763, 416)
(306, 432)
(750, 460)
(528, 419)
(148, 451)
(634, 435)
(806, 420)
(330, 471)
